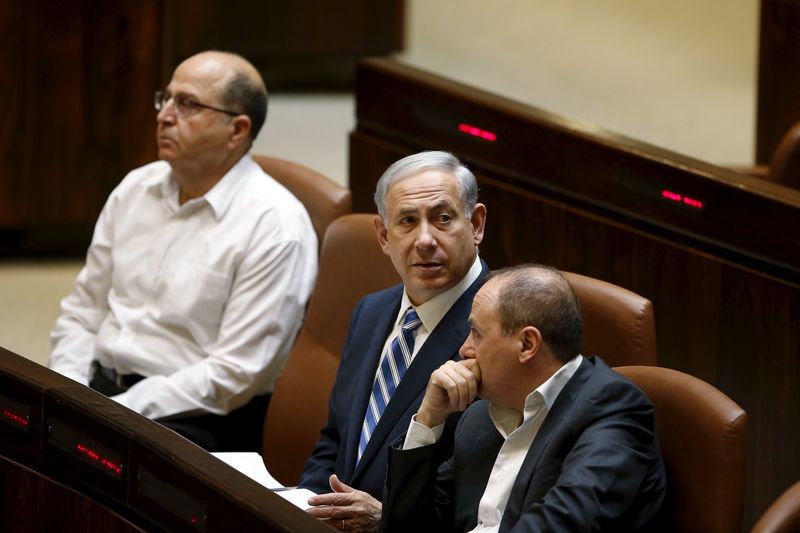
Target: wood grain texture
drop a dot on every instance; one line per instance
(77, 88)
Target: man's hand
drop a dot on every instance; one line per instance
(346, 508)
(451, 387)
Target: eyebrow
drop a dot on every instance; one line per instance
(442, 205)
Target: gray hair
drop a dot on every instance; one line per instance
(432, 160)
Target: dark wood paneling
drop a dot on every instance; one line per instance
(726, 296)
(778, 106)
(77, 87)
(30, 500)
(303, 43)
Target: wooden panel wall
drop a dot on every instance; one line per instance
(778, 107)
(298, 44)
(77, 88)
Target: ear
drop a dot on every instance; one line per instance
(478, 221)
(382, 232)
(530, 340)
(240, 127)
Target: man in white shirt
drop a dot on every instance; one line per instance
(199, 269)
(558, 442)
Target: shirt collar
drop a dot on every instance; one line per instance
(432, 311)
(219, 198)
(506, 420)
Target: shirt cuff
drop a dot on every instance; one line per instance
(419, 435)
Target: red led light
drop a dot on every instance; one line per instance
(685, 200)
(94, 456)
(477, 132)
(692, 202)
(15, 417)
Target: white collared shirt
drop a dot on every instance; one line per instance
(205, 297)
(432, 311)
(518, 434)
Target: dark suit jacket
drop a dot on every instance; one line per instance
(337, 448)
(595, 464)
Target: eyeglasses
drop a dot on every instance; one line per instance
(185, 106)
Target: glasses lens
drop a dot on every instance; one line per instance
(159, 100)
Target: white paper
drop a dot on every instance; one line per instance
(298, 497)
(251, 465)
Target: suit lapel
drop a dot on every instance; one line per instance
(553, 423)
(442, 345)
(383, 323)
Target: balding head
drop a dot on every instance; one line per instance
(239, 85)
(539, 296)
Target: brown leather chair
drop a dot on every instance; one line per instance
(324, 199)
(352, 265)
(703, 441)
(784, 168)
(783, 516)
(618, 325)
(785, 165)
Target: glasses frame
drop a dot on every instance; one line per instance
(160, 101)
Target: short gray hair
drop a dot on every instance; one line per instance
(431, 160)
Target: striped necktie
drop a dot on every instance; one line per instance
(394, 363)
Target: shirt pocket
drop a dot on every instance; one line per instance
(193, 297)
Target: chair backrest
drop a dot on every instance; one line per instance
(785, 165)
(783, 516)
(352, 265)
(703, 436)
(618, 325)
(324, 199)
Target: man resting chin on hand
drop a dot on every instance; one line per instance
(557, 442)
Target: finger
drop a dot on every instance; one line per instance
(471, 379)
(447, 382)
(327, 512)
(337, 485)
(455, 384)
(465, 384)
(474, 368)
(336, 499)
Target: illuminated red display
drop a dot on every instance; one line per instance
(477, 132)
(14, 417)
(682, 199)
(87, 452)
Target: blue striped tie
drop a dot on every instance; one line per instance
(393, 366)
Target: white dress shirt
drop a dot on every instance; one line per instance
(518, 434)
(205, 298)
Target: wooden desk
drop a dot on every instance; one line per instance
(70, 456)
(717, 253)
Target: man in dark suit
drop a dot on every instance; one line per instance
(430, 225)
(558, 442)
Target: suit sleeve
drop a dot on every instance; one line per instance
(419, 492)
(322, 463)
(416, 495)
(612, 463)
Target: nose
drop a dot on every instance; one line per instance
(167, 112)
(425, 238)
(467, 350)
